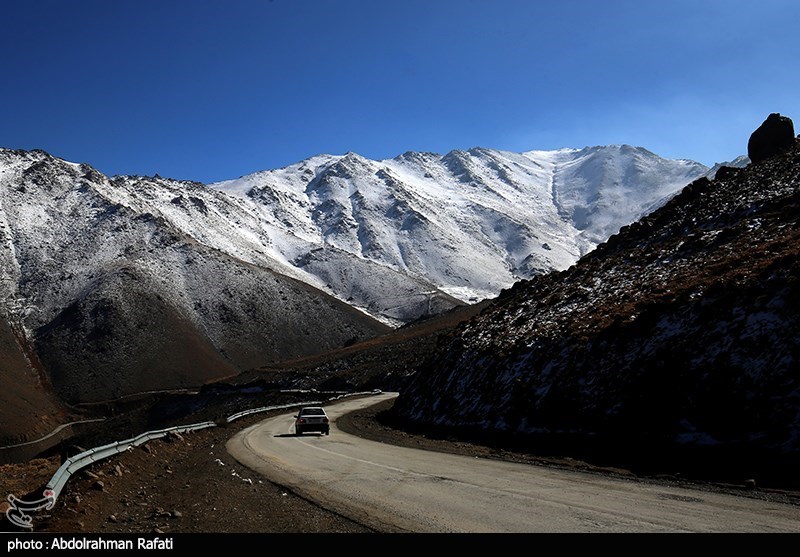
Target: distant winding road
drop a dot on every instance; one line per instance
(55, 431)
(394, 489)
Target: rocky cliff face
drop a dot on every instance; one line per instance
(676, 336)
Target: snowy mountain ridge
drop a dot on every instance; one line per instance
(516, 214)
(397, 239)
(129, 284)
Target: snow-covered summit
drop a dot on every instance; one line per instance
(468, 222)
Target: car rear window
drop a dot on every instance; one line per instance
(313, 412)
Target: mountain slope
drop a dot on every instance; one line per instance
(28, 406)
(516, 215)
(677, 334)
(246, 231)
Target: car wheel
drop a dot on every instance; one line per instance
(327, 432)
(297, 431)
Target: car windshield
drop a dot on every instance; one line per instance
(312, 412)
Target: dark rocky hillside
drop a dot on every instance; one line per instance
(671, 346)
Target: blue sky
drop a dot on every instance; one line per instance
(209, 90)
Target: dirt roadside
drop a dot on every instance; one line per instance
(180, 484)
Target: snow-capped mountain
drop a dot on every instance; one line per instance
(468, 223)
(103, 280)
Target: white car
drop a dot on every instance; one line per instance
(312, 418)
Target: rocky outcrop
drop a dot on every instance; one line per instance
(773, 136)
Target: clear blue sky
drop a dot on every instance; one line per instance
(208, 90)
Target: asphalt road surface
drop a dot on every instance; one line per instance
(394, 489)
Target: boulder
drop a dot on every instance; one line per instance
(774, 135)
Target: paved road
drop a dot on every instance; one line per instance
(394, 489)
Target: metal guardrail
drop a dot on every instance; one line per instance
(17, 511)
(75, 463)
(267, 408)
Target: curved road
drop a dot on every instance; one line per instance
(395, 489)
